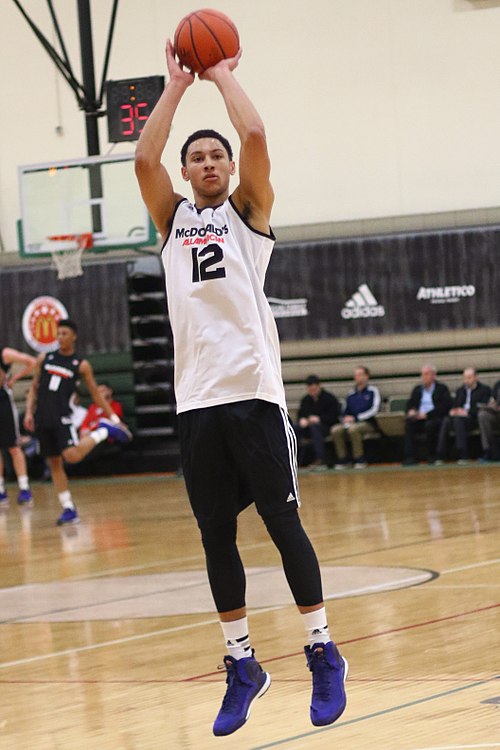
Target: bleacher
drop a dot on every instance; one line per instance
(394, 362)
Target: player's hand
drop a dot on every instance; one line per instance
(230, 63)
(29, 423)
(175, 69)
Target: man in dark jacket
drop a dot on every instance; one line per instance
(318, 411)
(462, 417)
(489, 425)
(427, 406)
(358, 420)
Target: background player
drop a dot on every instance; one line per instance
(9, 421)
(237, 443)
(48, 413)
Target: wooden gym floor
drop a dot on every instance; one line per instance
(108, 638)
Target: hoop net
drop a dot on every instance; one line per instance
(66, 251)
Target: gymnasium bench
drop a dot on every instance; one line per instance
(116, 369)
(394, 362)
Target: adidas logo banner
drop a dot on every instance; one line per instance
(362, 304)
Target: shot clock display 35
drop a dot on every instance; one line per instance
(129, 103)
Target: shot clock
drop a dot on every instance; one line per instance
(129, 103)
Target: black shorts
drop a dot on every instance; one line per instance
(9, 420)
(235, 454)
(56, 437)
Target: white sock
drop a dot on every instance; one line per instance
(65, 499)
(316, 626)
(23, 482)
(2, 484)
(99, 435)
(236, 636)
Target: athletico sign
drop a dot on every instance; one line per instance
(443, 294)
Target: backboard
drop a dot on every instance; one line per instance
(96, 194)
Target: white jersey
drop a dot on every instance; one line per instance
(226, 345)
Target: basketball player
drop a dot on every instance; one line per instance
(9, 421)
(237, 442)
(48, 413)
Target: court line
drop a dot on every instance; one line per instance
(482, 564)
(375, 714)
(395, 585)
(215, 620)
(250, 546)
(378, 634)
(467, 586)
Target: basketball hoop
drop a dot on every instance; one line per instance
(66, 251)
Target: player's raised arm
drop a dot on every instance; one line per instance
(154, 180)
(254, 195)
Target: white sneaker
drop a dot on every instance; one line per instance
(360, 465)
(339, 467)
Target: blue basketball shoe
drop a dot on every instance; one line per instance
(4, 499)
(69, 515)
(246, 681)
(25, 497)
(329, 672)
(116, 431)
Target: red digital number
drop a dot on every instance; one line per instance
(131, 114)
(141, 118)
(128, 121)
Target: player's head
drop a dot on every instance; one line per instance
(428, 375)
(470, 377)
(361, 376)
(66, 333)
(206, 133)
(105, 390)
(208, 165)
(313, 385)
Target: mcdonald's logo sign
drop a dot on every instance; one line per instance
(40, 319)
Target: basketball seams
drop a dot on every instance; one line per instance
(219, 18)
(207, 27)
(193, 45)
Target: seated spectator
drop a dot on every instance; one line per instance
(489, 424)
(462, 417)
(102, 459)
(95, 413)
(358, 420)
(318, 411)
(427, 406)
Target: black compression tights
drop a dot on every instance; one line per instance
(225, 569)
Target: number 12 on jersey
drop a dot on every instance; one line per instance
(203, 261)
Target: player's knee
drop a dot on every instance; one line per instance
(71, 455)
(284, 527)
(219, 540)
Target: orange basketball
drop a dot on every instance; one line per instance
(204, 38)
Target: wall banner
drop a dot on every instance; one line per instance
(390, 284)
